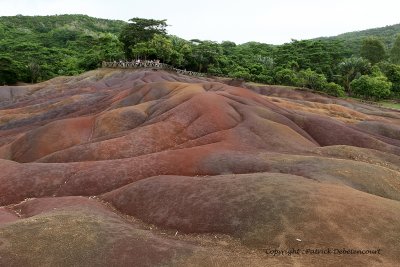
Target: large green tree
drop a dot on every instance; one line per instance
(140, 30)
(163, 47)
(352, 68)
(8, 73)
(373, 49)
(204, 54)
(181, 53)
(395, 51)
(320, 56)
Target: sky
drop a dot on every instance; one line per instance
(268, 21)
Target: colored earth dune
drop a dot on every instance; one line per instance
(151, 168)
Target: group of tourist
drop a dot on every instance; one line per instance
(139, 62)
(155, 64)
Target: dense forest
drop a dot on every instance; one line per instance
(353, 40)
(41, 47)
(361, 64)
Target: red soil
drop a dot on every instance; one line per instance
(83, 162)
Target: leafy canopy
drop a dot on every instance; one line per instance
(140, 30)
(395, 51)
(352, 68)
(36, 48)
(373, 49)
(371, 87)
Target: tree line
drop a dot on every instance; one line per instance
(326, 65)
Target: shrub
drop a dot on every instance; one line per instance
(286, 77)
(371, 87)
(263, 78)
(310, 79)
(334, 89)
(392, 72)
(8, 74)
(352, 68)
(241, 75)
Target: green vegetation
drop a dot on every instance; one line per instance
(370, 87)
(362, 64)
(8, 72)
(373, 49)
(390, 105)
(395, 51)
(392, 72)
(352, 68)
(353, 40)
(42, 47)
(134, 34)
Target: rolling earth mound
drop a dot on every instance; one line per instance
(151, 168)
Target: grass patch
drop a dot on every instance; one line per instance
(386, 103)
(390, 105)
(274, 85)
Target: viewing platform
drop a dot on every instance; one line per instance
(150, 65)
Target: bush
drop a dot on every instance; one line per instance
(286, 77)
(310, 79)
(8, 74)
(371, 87)
(352, 68)
(214, 70)
(242, 75)
(392, 72)
(263, 78)
(334, 89)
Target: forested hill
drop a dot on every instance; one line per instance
(45, 24)
(37, 48)
(386, 33)
(354, 39)
(41, 47)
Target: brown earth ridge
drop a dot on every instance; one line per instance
(151, 168)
